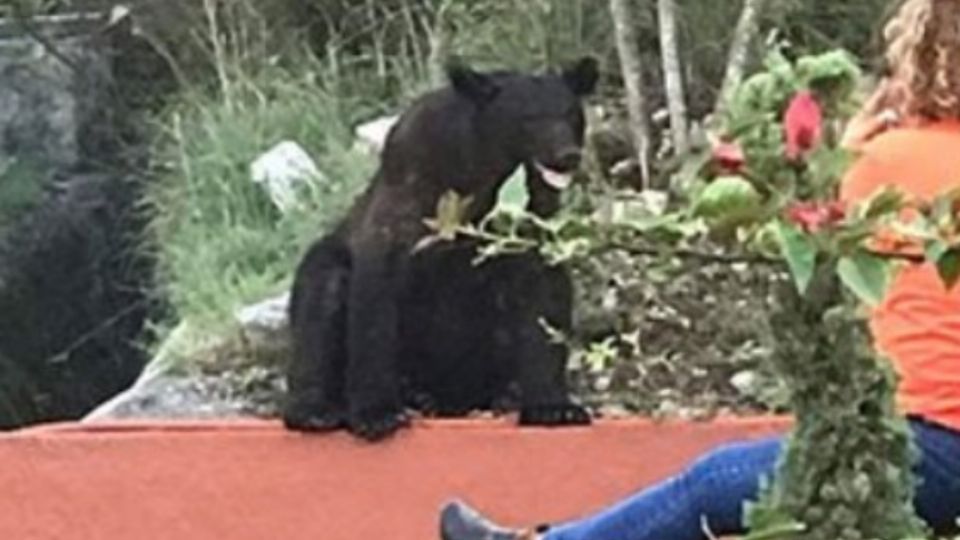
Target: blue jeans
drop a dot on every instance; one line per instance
(712, 492)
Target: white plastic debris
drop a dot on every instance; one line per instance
(281, 170)
(118, 13)
(746, 382)
(371, 136)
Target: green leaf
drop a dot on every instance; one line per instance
(935, 249)
(800, 252)
(942, 207)
(451, 216)
(867, 275)
(918, 228)
(883, 202)
(948, 266)
(513, 195)
(833, 73)
(850, 237)
(770, 523)
(827, 167)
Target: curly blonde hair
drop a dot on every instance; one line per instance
(923, 58)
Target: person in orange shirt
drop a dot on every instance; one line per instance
(908, 136)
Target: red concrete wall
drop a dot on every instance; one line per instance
(255, 481)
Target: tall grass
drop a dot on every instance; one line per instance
(219, 240)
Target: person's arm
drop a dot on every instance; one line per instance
(875, 117)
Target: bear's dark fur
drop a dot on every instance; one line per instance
(368, 314)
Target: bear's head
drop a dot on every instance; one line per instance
(537, 120)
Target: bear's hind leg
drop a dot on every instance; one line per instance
(531, 294)
(315, 376)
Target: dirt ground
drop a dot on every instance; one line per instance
(685, 339)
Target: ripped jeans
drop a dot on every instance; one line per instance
(714, 488)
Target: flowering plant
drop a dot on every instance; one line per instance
(845, 472)
(774, 176)
(767, 188)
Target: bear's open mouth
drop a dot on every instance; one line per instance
(555, 179)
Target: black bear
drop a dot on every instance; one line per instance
(371, 316)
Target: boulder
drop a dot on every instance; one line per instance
(52, 99)
(195, 376)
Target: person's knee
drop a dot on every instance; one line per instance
(722, 480)
(731, 456)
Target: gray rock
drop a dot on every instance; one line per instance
(51, 100)
(170, 397)
(264, 326)
(240, 375)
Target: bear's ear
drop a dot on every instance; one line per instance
(479, 87)
(583, 76)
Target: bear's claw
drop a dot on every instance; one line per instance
(375, 427)
(315, 422)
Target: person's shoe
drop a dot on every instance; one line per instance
(460, 522)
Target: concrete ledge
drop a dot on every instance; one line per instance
(253, 480)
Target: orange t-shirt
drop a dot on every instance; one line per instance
(918, 324)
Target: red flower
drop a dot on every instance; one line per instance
(729, 157)
(803, 123)
(836, 211)
(814, 216)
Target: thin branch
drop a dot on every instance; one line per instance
(673, 76)
(104, 325)
(631, 67)
(748, 26)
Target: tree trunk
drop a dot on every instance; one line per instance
(439, 41)
(673, 77)
(747, 28)
(631, 66)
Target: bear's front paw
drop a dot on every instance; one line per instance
(377, 424)
(314, 422)
(559, 414)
